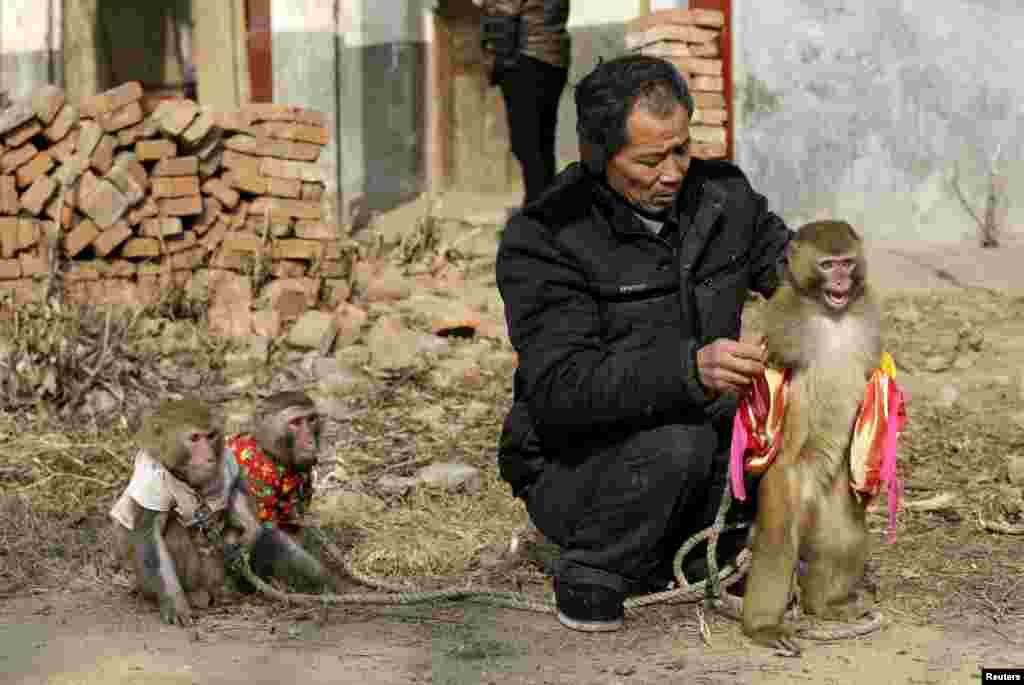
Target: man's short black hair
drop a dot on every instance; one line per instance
(606, 97)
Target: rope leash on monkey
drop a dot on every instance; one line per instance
(756, 441)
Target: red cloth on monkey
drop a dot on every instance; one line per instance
(757, 429)
(282, 494)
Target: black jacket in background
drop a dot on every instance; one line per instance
(607, 317)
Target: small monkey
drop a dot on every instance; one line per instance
(278, 456)
(823, 323)
(186, 512)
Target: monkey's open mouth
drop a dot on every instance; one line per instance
(837, 299)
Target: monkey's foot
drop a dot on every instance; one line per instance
(868, 623)
(777, 637)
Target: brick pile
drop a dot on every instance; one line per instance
(145, 198)
(689, 39)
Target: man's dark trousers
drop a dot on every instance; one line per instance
(621, 515)
(532, 89)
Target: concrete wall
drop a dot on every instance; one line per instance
(362, 63)
(863, 110)
(30, 39)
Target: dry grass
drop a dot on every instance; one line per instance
(58, 481)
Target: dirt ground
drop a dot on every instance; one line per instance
(952, 591)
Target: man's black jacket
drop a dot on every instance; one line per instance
(606, 317)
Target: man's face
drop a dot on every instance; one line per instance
(649, 170)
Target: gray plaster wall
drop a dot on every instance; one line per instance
(864, 110)
(372, 95)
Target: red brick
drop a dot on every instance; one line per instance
(89, 136)
(47, 102)
(316, 230)
(143, 211)
(238, 160)
(211, 165)
(312, 191)
(177, 166)
(121, 268)
(105, 205)
(176, 116)
(243, 242)
(141, 247)
(25, 290)
(127, 137)
(23, 133)
(211, 212)
(199, 128)
(14, 116)
(246, 180)
(707, 83)
(267, 147)
(8, 195)
(12, 159)
(64, 149)
(34, 199)
(222, 259)
(10, 269)
(127, 183)
(122, 117)
(112, 99)
(147, 150)
(284, 187)
(29, 233)
(704, 100)
(281, 208)
(80, 237)
(61, 124)
(220, 190)
(165, 225)
(213, 237)
(39, 165)
(180, 242)
(109, 239)
(288, 268)
(68, 212)
(181, 206)
(276, 112)
(32, 264)
(708, 150)
(82, 271)
(85, 187)
(318, 135)
(235, 121)
(297, 249)
(188, 260)
(8, 236)
(174, 186)
(131, 164)
(103, 156)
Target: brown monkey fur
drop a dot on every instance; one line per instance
(171, 434)
(287, 426)
(186, 438)
(824, 323)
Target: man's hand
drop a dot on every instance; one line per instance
(728, 365)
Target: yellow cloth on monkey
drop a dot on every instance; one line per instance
(760, 416)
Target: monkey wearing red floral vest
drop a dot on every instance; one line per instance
(278, 457)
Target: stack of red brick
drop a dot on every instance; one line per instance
(145, 198)
(690, 40)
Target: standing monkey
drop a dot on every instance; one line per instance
(278, 456)
(823, 323)
(186, 512)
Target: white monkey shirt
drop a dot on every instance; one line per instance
(155, 488)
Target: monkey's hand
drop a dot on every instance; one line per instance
(175, 610)
(729, 365)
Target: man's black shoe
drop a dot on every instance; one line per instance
(589, 608)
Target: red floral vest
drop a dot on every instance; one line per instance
(282, 494)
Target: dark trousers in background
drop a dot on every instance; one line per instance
(621, 515)
(531, 89)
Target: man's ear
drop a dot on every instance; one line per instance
(593, 157)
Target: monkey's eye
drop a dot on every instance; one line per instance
(297, 421)
(195, 437)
